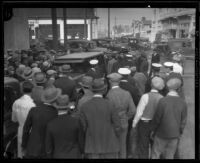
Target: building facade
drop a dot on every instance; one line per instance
(174, 22)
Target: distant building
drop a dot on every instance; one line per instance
(174, 22)
(142, 28)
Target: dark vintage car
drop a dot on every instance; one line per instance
(79, 63)
(138, 43)
(11, 93)
(84, 46)
(102, 42)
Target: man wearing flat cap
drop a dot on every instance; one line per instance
(124, 106)
(169, 122)
(101, 124)
(144, 115)
(34, 130)
(65, 83)
(64, 134)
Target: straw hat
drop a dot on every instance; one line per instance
(157, 83)
(124, 71)
(50, 94)
(65, 68)
(28, 73)
(39, 77)
(51, 72)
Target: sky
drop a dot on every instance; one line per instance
(123, 16)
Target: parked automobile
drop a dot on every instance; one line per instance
(11, 93)
(103, 42)
(83, 46)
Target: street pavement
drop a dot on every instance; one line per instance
(187, 141)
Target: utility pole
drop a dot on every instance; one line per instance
(108, 22)
(54, 28)
(115, 26)
(85, 24)
(65, 27)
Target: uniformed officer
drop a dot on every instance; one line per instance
(95, 71)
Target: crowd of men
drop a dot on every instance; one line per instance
(132, 111)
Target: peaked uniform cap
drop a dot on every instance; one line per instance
(124, 71)
(94, 61)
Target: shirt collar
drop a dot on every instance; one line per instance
(116, 86)
(154, 90)
(47, 104)
(98, 95)
(172, 93)
(124, 80)
(27, 97)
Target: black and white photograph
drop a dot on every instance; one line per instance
(99, 83)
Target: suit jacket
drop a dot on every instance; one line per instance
(132, 89)
(101, 125)
(123, 104)
(64, 137)
(67, 86)
(34, 130)
(155, 58)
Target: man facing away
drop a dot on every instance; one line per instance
(169, 122)
(125, 107)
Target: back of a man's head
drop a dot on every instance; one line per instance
(27, 87)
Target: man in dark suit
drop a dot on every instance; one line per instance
(64, 134)
(95, 71)
(133, 90)
(34, 129)
(101, 124)
(65, 83)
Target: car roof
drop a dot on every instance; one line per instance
(77, 57)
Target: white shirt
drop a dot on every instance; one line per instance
(172, 93)
(178, 68)
(113, 87)
(98, 95)
(141, 107)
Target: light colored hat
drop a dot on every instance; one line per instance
(129, 55)
(65, 68)
(115, 77)
(94, 61)
(62, 102)
(51, 72)
(174, 83)
(50, 94)
(168, 64)
(157, 83)
(45, 63)
(133, 69)
(34, 65)
(124, 71)
(28, 73)
(176, 58)
(39, 77)
(36, 69)
(86, 81)
(156, 65)
(22, 66)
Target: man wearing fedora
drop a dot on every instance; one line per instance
(65, 83)
(20, 110)
(86, 85)
(101, 125)
(169, 122)
(34, 130)
(124, 106)
(144, 115)
(39, 79)
(64, 134)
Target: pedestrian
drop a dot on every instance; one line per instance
(169, 122)
(155, 71)
(64, 135)
(111, 62)
(86, 85)
(19, 72)
(155, 56)
(144, 115)
(142, 64)
(65, 82)
(39, 79)
(95, 72)
(20, 110)
(51, 77)
(101, 125)
(34, 130)
(140, 80)
(46, 66)
(124, 106)
(177, 65)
